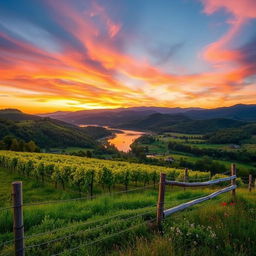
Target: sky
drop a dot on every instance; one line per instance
(91, 54)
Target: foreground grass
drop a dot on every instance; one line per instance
(209, 229)
(119, 224)
(82, 221)
(32, 190)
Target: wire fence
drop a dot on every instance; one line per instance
(81, 198)
(190, 179)
(101, 239)
(122, 218)
(87, 230)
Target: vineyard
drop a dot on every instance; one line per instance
(83, 174)
(114, 221)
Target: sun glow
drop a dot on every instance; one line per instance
(61, 67)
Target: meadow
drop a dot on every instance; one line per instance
(50, 215)
(159, 148)
(62, 221)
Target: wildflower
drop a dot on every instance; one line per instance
(223, 204)
(232, 203)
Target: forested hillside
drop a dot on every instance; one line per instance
(45, 132)
(182, 124)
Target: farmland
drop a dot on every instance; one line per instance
(86, 206)
(56, 223)
(87, 174)
(189, 150)
(81, 217)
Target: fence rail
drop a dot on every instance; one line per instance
(161, 212)
(199, 184)
(197, 201)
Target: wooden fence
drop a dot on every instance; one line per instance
(162, 213)
(17, 200)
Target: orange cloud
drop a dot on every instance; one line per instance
(99, 74)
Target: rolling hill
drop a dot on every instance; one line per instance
(181, 123)
(46, 132)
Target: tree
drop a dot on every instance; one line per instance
(31, 146)
(15, 145)
(89, 153)
(7, 141)
(21, 145)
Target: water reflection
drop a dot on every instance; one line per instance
(123, 140)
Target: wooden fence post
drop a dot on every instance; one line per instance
(18, 226)
(185, 176)
(233, 182)
(250, 183)
(160, 203)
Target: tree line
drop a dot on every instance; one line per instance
(14, 144)
(238, 155)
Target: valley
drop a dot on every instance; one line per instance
(92, 190)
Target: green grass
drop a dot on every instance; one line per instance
(32, 190)
(85, 221)
(210, 229)
(83, 216)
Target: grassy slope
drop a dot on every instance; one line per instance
(41, 218)
(211, 229)
(32, 190)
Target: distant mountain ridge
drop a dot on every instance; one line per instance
(237, 112)
(121, 116)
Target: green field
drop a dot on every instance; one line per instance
(159, 148)
(119, 222)
(97, 227)
(79, 214)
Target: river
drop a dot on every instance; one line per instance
(123, 140)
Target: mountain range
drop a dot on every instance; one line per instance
(122, 116)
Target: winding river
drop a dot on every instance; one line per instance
(123, 140)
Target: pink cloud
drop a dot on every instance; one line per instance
(241, 11)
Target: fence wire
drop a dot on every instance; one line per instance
(101, 239)
(88, 230)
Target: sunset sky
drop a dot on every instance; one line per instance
(86, 54)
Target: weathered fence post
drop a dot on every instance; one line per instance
(185, 176)
(18, 226)
(250, 183)
(233, 182)
(160, 203)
